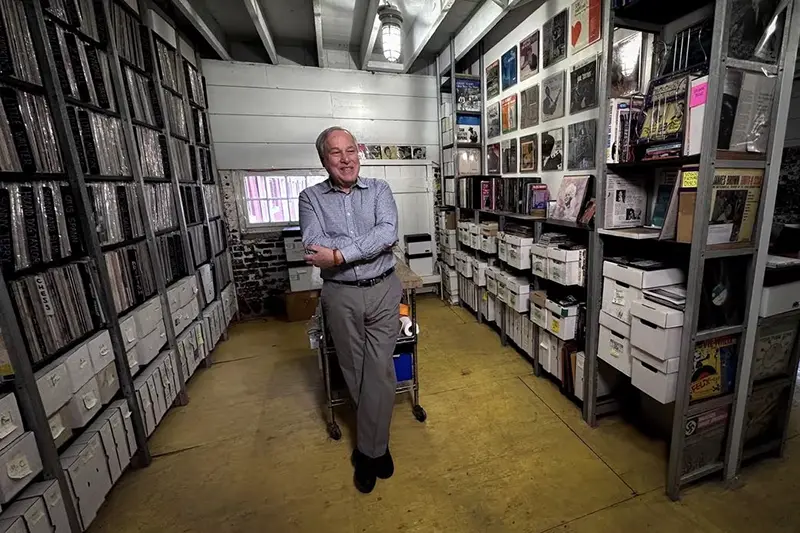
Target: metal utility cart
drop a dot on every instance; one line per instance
(335, 390)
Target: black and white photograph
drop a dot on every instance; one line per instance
(390, 152)
(493, 120)
(509, 68)
(529, 56)
(529, 153)
(493, 80)
(553, 96)
(468, 95)
(374, 151)
(493, 158)
(581, 151)
(626, 66)
(553, 149)
(403, 152)
(420, 152)
(529, 107)
(583, 86)
(554, 39)
(509, 156)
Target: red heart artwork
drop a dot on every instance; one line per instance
(576, 32)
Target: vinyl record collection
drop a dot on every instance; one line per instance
(182, 162)
(38, 224)
(198, 242)
(194, 84)
(128, 35)
(200, 126)
(131, 273)
(222, 272)
(173, 261)
(116, 212)
(141, 98)
(200, 159)
(151, 156)
(166, 65)
(192, 201)
(161, 206)
(27, 137)
(100, 143)
(177, 117)
(217, 235)
(81, 13)
(211, 193)
(17, 56)
(57, 307)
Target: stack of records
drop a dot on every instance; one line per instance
(100, 143)
(131, 274)
(152, 150)
(198, 239)
(160, 205)
(57, 307)
(181, 150)
(217, 235)
(38, 224)
(222, 271)
(200, 161)
(200, 126)
(116, 212)
(175, 112)
(192, 200)
(17, 56)
(166, 65)
(27, 136)
(128, 36)
(173, 261)
(211, 193)
(86, 15)
(194, 83)
(142, 100)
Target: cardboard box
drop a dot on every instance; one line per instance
(539, 260)
(502, 251)
(19, 464)
(33, 512)
(562, 321)
(567, 267)
(304, 278)
(613, 344)
(59, 430)
(114, 418)
(54, 386)
(147, 348)
(88, 476)
(656, 378)
(491, 279)
(54, 503)
(130, 336)
(11, 426)
(107, 383)
(578, 369)
(109, 448)
(83, 406)
(618, 297)
(539, 315)
(145, 403)
(147, 316)
(488, 244)
(656, 329)
(479, 271)
(125, 411)
(13, 525)
(301, 306)
(779, 299)
(519, 256)
(643, 279)
(686, 203)
(79, 367)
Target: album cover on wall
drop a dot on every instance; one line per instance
(509, 153)
(571, 195)
(529, 107)
(493, 158)
(554, 39)
(508, 110)
(582, 142)
(529, 153)
(509, 66)
(420, 152)
(493, 120)
(403, 152)
(626, 66)
(493, 80)
(389, 152)
(529, 56)
(583, 86)
(363, 153)
(374, 151)
(553, 149)
(553, 96)
(468, 95)
(469, 129)
(585, 24)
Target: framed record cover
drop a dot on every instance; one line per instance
(509, 68)
(553, 149)
(554, 39)
(493, 158)
(493, 80)
(582, 142)
(529, 107)
(509, 156)
(508, 114)
(584, 24)
(493, 120)
(583, 86)
(529, 153)
(468, 95)
(529, 56)
(626, 66)
(553, 96)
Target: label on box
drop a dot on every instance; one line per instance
(699, 95)
(54, 379)
(616, 348)
(56, 427)
(33, 519)
(619, 297)
(538, 266)
(18, 467)
(555, 326)
(689, 179)
(89, 400)
(7, 425)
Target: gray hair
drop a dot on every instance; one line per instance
(324, 137)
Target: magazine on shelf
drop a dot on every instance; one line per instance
(734, 205)
(626, 202)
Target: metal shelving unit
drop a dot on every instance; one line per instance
(651, 16)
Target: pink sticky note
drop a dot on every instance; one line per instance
(699, 95)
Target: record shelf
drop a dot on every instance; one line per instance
(694, 456)
(104, 182)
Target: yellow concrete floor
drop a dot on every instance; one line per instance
(502, 450)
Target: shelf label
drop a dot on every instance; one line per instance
(689, 179)
(555, 326)
(699, 95)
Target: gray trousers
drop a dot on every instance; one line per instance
(364, 323)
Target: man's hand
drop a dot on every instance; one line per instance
(323, 257)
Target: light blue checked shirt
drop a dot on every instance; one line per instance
(362, 225)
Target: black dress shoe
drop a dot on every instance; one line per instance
(364, 477)
(384, 466)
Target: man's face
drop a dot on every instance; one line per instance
(341, 158)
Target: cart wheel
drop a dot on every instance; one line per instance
(333, 431)
(419, 413)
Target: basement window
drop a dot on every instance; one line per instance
(270, 199)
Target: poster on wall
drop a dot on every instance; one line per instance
(508, 113)
(493, 120)
(529, 153)
(493, 80)
(582, 138)
(509, 65)
(626, 66)
(529, 107)
(553, 149)
(583, 86)
(554, 39)
(493, 158)
(529, 56)
(469, 129)
(468, 95)
(584, 24)
(509, 151)
(420, 152)
(553, 96)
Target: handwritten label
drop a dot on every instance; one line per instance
(616, 348)
(699, 95)
(619, 297)
(89, 401)
(689, 179)
(7, 425)
(56, 428)
(18, 467)
(555, 326)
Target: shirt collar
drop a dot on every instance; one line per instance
(360, 183)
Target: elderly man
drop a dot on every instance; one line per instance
(349, 226)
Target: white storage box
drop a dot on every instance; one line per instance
(562, 320)
(479, 271)
(516, 291)
(618, 297)
(20, 464)
(656, 378)
(83, 406)
(147, 316)
(475, 241)
(293, 243)
(450, 280)
(125, 411)
(656, 329)
(613, 343)
(109, 448)
(10, 420)
(779, 299)
(100, 348)
(550, 348)
(491, 308)
(539, 316)
(54, 503)
(566, 267)
(156, 388)
(113, 416)
(133, 361)
(33, 513)
(304, 278)
(130, 336)
(603, 387)
(519, 256)
(516, 240)
(448, 258)
(488, 244)
(539, 260)
(54, 386)
(448, 239)
(147, 349)
(107, 383)
(502, 250)
(643, 279)
(420, 265)
(491, 279)
(88, 476)
(13, 525)
(145, 403)
(59, 430)
(206, 282)
(79, 367)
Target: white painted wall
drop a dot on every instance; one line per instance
(266, 117)
(535, 22)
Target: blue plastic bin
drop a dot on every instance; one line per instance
(402, 367)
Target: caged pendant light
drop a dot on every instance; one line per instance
(391, 32)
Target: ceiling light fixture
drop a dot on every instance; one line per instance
(391, 32)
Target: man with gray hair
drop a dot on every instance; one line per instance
(349, 227)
